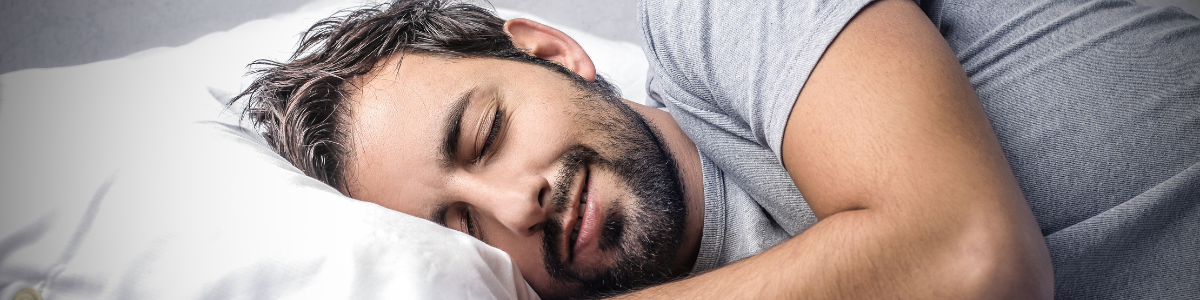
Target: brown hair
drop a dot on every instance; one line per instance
(299, 104)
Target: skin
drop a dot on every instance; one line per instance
(887, 141)
(397, 114)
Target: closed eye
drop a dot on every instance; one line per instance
(457, 216)
(468, 222)
(492, 133)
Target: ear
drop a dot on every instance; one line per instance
(550, 44)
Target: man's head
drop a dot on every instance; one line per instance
(498, 129)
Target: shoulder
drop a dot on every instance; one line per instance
(744, 60)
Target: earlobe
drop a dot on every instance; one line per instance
(550, 44)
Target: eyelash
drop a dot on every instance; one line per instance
(468, 221)
(492, 133)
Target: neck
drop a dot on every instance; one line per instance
(691, 176)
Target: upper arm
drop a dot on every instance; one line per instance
(889, 120)
(892, 150)
(889, 131)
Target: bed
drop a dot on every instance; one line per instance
(133, 179)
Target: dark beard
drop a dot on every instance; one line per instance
(644, 238)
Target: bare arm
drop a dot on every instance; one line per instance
(891, 148)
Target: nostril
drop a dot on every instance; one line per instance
(541, 197)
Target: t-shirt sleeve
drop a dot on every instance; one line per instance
(741, 62)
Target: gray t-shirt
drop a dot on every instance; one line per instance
(729, 72)
(1096, 105)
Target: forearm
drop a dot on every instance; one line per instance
(864, 254)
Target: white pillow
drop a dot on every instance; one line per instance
(129, 179)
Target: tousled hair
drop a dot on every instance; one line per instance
(300, 104)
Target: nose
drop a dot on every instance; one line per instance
(519, 203)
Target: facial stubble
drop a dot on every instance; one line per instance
(642, 230)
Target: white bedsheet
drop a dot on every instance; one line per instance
(129, 179)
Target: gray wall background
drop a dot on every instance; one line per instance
(55, 33)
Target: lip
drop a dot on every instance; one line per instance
(590, 221)
(575, 243)
(570, 214)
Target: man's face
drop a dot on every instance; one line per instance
(570, 183)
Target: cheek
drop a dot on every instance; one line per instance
(550, 116)
(539, 133)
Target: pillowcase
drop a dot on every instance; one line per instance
(131, 179)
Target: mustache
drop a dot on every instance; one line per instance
(573, 161)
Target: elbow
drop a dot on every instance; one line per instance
(1010, 267)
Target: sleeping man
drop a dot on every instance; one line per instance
(816, 149)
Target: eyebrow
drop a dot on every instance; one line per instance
(451, 129)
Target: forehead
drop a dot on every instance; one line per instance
(418, 85)
(398, 111)
(421, 89)
(402, 103)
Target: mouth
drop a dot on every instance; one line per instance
(582, 220)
